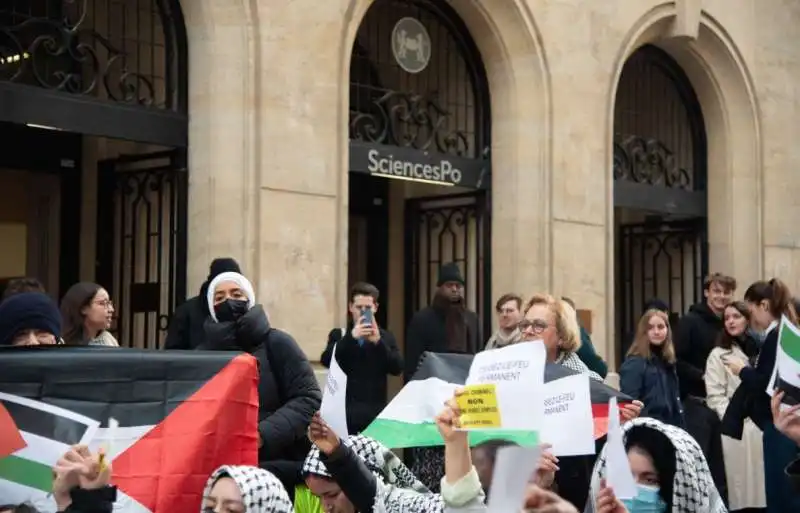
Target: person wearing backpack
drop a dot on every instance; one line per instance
(288, 392)
(367, 354)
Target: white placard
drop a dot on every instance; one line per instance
(618, 468)
(568, 423)
(513, 469)
(334, 405)
(518, 373)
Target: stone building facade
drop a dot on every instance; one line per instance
(608, 151)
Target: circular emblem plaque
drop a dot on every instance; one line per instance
(411, 45)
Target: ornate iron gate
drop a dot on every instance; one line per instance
(659, 259)
(449, 229)
(660, 199)
(141, 242)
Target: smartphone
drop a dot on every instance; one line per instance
(366, 313)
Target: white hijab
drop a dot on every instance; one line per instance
(236, 278)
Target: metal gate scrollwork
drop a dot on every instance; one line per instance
(142, 209)
(449, 229)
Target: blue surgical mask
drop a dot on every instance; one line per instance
(647, 500)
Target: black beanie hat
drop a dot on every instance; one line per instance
(28, 311)
(656, 304)
(222, 265)
(449, 273)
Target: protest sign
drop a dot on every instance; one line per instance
(567, 423)
(517, 371)
(786, 372)
(513, 468)
(333, 409)
(478, 405)
(618, 468)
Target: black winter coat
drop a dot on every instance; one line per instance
(288, 392)
(353, 476)
(655, 383)
(695, 337)
(427, 332)
(187, 326)
(366, 367)
(92, 501)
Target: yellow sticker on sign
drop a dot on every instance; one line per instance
(478, 405)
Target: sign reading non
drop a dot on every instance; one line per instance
(411, 45)
(418, 166)
(478, 405)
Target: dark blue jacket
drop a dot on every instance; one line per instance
(655, 383)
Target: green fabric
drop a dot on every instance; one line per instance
(588, 355)
(400, 435)
(305, 501)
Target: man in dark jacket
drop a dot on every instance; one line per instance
(446, 326)
(367, 354)
(695, 337)
(186, 325)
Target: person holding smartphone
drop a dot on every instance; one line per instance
(368, 354)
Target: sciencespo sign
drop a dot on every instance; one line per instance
(418, 166)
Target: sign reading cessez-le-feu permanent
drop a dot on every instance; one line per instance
(416, 165)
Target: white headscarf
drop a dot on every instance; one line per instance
(236, 278)
(261, 491)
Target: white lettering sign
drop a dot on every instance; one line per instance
(333, 408)
(388, 165)
(517, 371)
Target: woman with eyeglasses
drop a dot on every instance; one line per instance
(87, 313)
(554, 322)
(29, 319)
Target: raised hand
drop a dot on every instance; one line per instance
(322, 435)
(786, 420)
(78, 467)
(607, 502)
(448, 420)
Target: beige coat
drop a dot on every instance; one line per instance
(744, 459)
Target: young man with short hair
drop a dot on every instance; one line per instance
(367, 353)
(509, 312)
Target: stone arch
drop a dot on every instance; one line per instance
(725, 89)
(519, 93)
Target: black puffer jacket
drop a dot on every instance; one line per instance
(695, 337)
(100, 500)
(186, 326)
(288, 391)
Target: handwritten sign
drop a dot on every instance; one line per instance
(333, 408)
(479, 409)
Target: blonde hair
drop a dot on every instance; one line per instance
(569, 332)
(641, 343)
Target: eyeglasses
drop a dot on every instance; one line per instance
(107, 304)
(537, 325)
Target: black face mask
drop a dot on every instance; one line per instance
(230, 310)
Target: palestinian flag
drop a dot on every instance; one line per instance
(179, 415)
(787, 362)
(407, 421)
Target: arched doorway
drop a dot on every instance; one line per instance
(419, 135)
(660, 170)
(103, 86)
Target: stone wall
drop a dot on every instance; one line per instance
(268, 141)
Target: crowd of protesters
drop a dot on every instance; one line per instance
(702, 434)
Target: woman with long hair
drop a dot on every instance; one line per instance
(86, 314)
(767, 302)
(744, 459)
(648, 373)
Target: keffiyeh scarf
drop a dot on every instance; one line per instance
(399, 491)
(693, 488)
(261, 491)
(573, 362)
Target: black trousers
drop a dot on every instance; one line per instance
(705, 427)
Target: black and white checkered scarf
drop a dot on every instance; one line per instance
(261, 491)
(399, 491)
(573, 362)
(693, 488)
